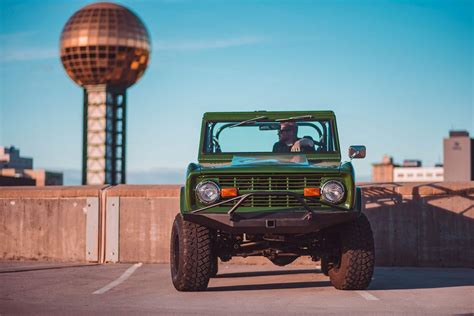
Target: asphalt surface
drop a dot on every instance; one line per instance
(40, 288)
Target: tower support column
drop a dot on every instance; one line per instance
(103, 158)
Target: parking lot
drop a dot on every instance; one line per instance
(42, 288)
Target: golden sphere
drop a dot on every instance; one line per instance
(105, 43)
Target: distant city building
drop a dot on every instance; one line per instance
(418, 174)
(16, 170)
(409, 171)
(411, 163)
(383, 171)
(10, 159)
(459, 156)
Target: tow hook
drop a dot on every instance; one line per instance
(270, 223)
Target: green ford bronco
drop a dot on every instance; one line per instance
(271, 184)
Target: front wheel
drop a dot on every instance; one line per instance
(354, 266)
(190, 255)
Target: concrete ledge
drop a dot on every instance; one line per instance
(50, 224)
(144, 191)
(146, 216)
(420, 189)
(50, 191)
(422, 224)
(415, 224)
(145, 228)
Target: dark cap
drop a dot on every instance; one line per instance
(458, 133)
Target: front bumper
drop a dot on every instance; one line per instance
(302, 221)
(282, 222)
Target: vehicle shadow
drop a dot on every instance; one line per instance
(385, 278)
(270, 286)
(421, 224)
(266, 273)
(420, 278)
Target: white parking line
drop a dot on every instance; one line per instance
(367, 295)
(122, 278)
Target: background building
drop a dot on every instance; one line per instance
(459, 156)
(10, 159)
(418, 174)
(458, 164)
(16, 170)
(383, 171)
(409, 171)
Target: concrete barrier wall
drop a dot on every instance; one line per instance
(417, 224)
(50, 223)
(421, 224)
(146, 217)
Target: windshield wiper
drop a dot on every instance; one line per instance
(294, 118)
(248, 121)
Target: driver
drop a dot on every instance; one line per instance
(289, 141)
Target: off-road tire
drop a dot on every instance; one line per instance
(357, 256)
(190, 255)
(283, 261)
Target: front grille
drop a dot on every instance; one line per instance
(269, 183)
(251, 183)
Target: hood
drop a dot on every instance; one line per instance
(271, 164)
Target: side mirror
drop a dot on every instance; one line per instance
(357, 151)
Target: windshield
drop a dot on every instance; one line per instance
(270, 136)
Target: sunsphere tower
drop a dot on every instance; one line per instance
(105, 48)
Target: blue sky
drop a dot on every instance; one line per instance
(398, 74)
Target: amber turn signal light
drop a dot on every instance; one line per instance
(228, 192)
(312, 191)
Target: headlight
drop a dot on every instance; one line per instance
(208, 192)
(333, 191)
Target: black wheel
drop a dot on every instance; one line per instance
(283, 261)
(214, 266)
(190, 255)
(354, 267)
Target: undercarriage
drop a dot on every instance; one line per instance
(273, 246)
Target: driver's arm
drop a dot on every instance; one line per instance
(306, 142)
